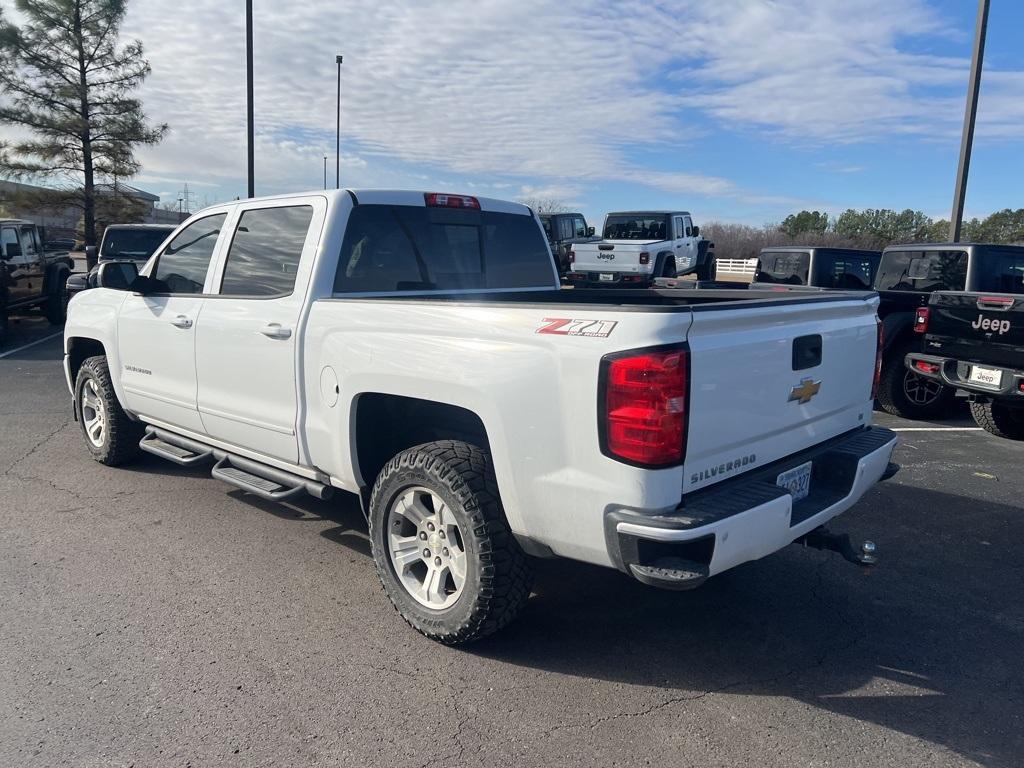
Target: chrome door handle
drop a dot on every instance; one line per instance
(276, 331)
(181, 322)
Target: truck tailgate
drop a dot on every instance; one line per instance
(771, 380)
(611, 256)
(977, 327)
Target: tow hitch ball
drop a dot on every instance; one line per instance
(820, 538)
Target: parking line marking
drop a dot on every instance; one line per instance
(31, 344)
(936, 429)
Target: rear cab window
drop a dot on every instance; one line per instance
(636, 226)
(922, 271)
(397, 248)
(784, 268)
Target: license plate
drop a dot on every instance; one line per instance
(607, 277)
(797, 481)
(989, 376)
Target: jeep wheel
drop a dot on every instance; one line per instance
(57, 302)
(111, 437)
(904, 393)
(999, 419)
(441, 543)
(669, 268)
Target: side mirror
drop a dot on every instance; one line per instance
(117, 275)
(90, 251)
(91, 256)
(696, 231)
(77, 282)
(590, 231)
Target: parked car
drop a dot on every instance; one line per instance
(30, 277)
(974, 341)
(133, 242)
(844, 269)
(638, 247)
(564, 230)
(907, 277)
(416, 349)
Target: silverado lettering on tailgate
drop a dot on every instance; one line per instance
(723, 469)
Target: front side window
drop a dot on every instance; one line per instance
(579, 227)
(184, 262)
(391, 248)
(9, 238)
(923, 271)
(636, 227)
(264, 255)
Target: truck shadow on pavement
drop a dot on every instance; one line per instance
(924, 644)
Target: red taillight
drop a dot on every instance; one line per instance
(645, 258)
(571, 256)
(1021, 386)
(921, 318)
(1000, 302)
(632, 278)
(878, 360)
(576, 276)
(644, 408)
(439, 200)
(925, 367)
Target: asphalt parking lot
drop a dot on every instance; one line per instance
(153, 616)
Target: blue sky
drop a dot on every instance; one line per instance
(738, 110)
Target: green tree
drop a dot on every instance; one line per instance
(805, 222)
(1005, 226)
(66, 82)
(883, 226)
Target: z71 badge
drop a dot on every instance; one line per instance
(564, 326)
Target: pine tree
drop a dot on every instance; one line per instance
(66, 83)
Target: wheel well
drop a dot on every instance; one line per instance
(79, 350)
(386, 425)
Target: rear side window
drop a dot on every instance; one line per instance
(391, 248)
(999, 271)
(845, 273)
(265, 251)
(923, 271)
(183, 264)
(565, 228)
(789, 268)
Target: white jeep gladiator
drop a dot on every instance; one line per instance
(639, 247)
(415, 348)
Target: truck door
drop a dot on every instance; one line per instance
(247, 337)
(15, 265)
(156, 333)
(35, 266)
(689, 242)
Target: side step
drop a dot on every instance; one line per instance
(671, 573)
(252, 476)
(181, 451)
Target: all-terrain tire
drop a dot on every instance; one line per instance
(999, 419)
(669, 269)
(119, 440)
(499, 575)
(57, 301)
(904, 393)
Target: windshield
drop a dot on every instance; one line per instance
(391, 248)
(923, 271)
(999, 270)
(788, 268)
(636, 226)
(136, 244)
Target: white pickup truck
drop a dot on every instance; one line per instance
(415, 348)
(638, 247)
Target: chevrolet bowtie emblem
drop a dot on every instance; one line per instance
(807, 389)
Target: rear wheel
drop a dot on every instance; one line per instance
(999, 419)
(669, 268)
(904, 393)
(441, 543)
(110, 435)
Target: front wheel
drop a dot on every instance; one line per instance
(999, 419)
(110, 435)
(904, 393)
(57, 301)
(442, 546)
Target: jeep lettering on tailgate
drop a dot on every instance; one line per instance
(993, 326)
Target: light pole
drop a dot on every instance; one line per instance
(248, 93)
(337, 134)
(970, 113)
(325, 171)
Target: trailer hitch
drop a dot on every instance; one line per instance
(822, 538)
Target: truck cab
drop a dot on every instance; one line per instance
(30, 277)
(639, 247)
(563, 231)
(845, 269)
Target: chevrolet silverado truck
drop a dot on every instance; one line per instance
(639, 247)
(975, 342)
(416, 349)
(31, 278)
(565, 230)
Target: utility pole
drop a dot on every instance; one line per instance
(325, 171)
(970, 114)
(337, 135)
(248, 83)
